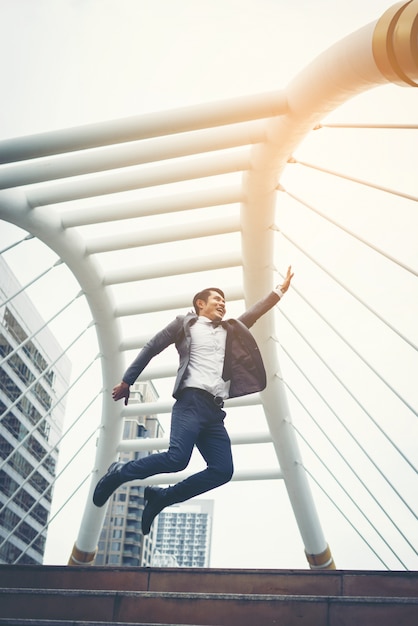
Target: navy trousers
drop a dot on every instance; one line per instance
(195, 421)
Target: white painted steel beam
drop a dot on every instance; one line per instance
(155, 372)
(128, 209)
(228, 224)
(165, 303)
(346, 69)
(231, 111)
(165, 406)
(159, 270)
(129, 179)
(239, 476)
(46, 226)
(161, 443)
(130, 154)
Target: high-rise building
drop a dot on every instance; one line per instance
(184, 533)
(121, 541)
(34, 378)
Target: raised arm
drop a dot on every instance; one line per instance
(286, 283)
(261, 307)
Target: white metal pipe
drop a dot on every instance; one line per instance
(130, 154)
(161, 443)
(46, 226)
(165, 406)
(166, 303)
(162, 123)
(154, 372)
(160, 270)
(128, 209)
(239, 475)
(340, 72)
(122, 241)
(139, 177)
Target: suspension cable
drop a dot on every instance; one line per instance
(50, 485)
(367, 126)
(350, 232)
(399, 451)
(342, 513)
(353, 179)
(34, 280)
(370, 309)
(16, 243)
(371, 494)
(45, 325)
(44, 373)
(30, 432)
(339, 483)
(49, 453)
(52, 518)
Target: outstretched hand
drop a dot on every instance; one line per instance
(285, 285)
(121, 391)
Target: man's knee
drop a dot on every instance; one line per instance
(224, 474)
(177, 462)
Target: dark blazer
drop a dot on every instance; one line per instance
(243, 364)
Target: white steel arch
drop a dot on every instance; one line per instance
(256, 136)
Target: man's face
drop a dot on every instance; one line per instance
(214, 308)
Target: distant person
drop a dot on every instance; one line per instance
(218, 360)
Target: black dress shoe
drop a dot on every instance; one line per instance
(107, 484)
(156, 500)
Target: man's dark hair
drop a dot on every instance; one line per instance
(204, 295)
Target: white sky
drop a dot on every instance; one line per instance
(66, 63)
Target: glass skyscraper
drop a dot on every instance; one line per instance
(34, 377)
(121, 541)
(184, 534)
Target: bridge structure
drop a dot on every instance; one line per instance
(58, 185)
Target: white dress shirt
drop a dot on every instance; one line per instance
(207, 353)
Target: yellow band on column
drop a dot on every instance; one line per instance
(79, 557)
(323, 560)
(395, 44)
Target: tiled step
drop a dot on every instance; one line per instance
(47, 622)
(7, 621)
(273, 582)
(92, 596)
(206, 609)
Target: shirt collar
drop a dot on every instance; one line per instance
(202, 319)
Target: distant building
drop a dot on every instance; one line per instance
(184, 534)
(34, 377)
(121, 541)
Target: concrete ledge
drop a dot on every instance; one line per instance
(205, 608)
(288, 582)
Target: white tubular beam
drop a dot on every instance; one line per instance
(128, 209)
(130, 154)
(342, 71)
(154, 372)
(165, 406)
(161, 443)
(138, 177)
(176, 301)
(229, 224)
(230, 111)
(239, 475)
(159, 270)
(46, 226)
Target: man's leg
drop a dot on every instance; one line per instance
(215, 446)
(185, 428)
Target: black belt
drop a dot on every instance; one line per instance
(217, 400)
